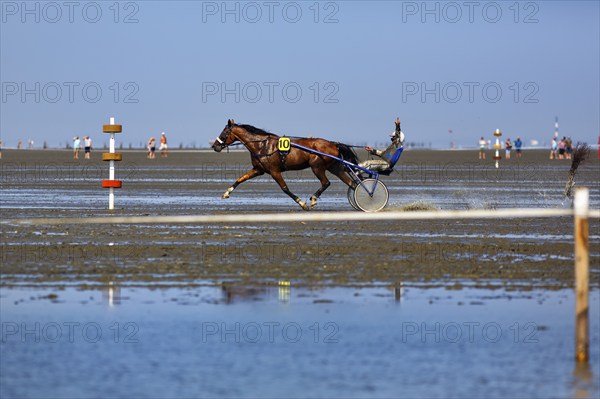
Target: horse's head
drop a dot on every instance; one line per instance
(226, 138)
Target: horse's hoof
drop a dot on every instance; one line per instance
(313, 202)
(304, 206)
(226, 194)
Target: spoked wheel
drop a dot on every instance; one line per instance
(371, 196)
(351, 198)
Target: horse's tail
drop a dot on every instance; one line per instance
(347, 153)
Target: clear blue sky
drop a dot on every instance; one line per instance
(358, 65)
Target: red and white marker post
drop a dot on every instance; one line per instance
(112, 156)
(497, 147)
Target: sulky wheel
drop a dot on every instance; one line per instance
(351, 198)
(371, 202)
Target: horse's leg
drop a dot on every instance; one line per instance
(247, 176)
(279, 179)
(340, 171)
(320, 173)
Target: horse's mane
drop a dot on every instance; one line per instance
(254, 130)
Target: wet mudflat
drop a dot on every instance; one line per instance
(515, 252)
(367, 297)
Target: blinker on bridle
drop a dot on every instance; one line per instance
(228, 131)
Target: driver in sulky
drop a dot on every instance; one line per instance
(389, 156)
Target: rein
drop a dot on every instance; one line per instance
(259, 155)
(253, 154)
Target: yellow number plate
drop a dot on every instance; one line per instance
(284, 144)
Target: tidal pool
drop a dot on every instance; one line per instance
(283, 341)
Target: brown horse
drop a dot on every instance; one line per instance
(266, 158)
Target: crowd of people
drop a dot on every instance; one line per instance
(508, 146)
(561, 149)
(151, 146)
(87, 147)
(164, 148)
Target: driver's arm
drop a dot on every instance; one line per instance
(373, 151)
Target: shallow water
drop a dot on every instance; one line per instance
(194, 182)
(432, 309)
(293, 342)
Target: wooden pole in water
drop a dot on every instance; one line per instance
(581, 206)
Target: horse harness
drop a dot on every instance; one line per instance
(283, 148)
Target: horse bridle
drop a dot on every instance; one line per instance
(223, 140)
(224, 136)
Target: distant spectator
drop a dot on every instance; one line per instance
(76, 146)
(87, 146)
(518, 145)
(507, 148)
(561, 148)
(482, 145)
(553, 147)
(568, 147)
(163, 145)
(151, 148)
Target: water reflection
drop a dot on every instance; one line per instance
(398, 293)
(583, 381)
(284, 291)
(111, 294)
(252, 346)
(232, 293)
(237, 293)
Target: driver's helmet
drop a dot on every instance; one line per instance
(397, 134)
